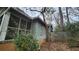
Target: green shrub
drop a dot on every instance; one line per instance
(26, 43)
(73, 28)
(57, 28)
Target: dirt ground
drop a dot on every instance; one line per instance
(7, 47)
(44, 46)
(57, 46)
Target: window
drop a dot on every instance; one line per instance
(17, 25)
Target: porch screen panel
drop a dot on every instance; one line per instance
(23, 24)
(17, 25)
(12, 27)
(28, 25)
(11, 33)
(14, 21)
(1, 19)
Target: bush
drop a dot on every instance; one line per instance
(73, 28)
(57, 28)
(26, 43)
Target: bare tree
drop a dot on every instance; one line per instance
(61, 19)
(43, 12)
(67, 14)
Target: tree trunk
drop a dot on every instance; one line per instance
(61, 19)
(67, 15)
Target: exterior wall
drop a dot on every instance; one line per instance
(38, 31)
(34, 30)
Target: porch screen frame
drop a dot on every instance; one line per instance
(19, 26)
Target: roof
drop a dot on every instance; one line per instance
(5, 9)
(21, 12)
(34, 19)
(37, 19)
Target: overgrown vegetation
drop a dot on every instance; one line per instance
(73, 43)
(72, 28)
(73, 33)
(26, 43)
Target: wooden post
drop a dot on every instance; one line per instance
(4, 26)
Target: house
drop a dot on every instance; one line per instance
(14, 20)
